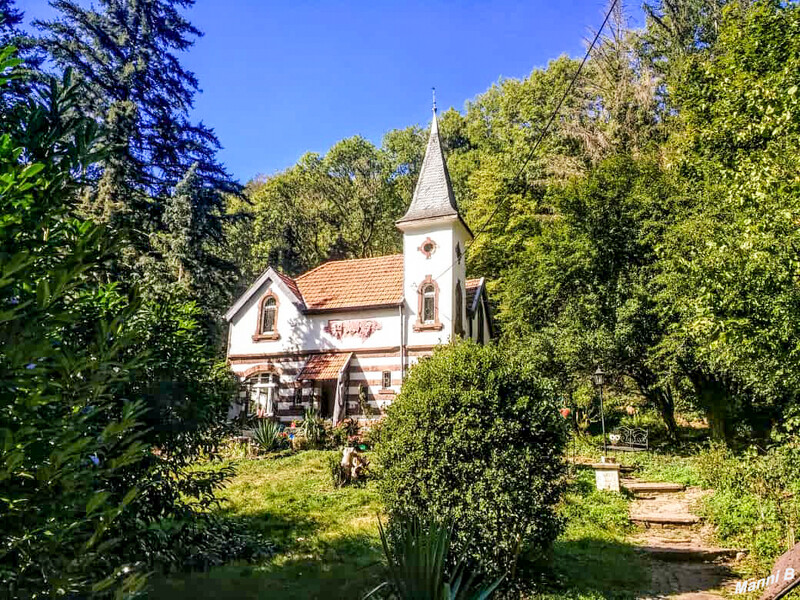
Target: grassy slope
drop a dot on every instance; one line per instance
(592, 559)
(327, 538)
(328, 543)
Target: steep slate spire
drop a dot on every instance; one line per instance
(433, 196)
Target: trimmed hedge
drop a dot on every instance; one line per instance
(475, 438)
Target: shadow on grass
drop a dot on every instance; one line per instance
(283, 532)
(600, 569)
(347, 566)
(597, 568)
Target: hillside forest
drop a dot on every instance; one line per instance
(654, 231)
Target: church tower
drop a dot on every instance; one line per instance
(434, 239)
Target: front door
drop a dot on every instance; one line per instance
(328, 398)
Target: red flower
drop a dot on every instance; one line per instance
(565, 412)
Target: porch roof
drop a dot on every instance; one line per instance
(324, 366)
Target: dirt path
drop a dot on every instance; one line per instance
(685, 564)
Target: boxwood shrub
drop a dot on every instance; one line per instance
(475, 438)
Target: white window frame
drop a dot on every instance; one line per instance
(264, 391)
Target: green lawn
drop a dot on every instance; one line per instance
(592, 559)
(328, 545)
(327, 538)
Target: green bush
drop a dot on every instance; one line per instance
(342, 435)
(107, 399)
(338, 476)
(475, 438)
(756, 498)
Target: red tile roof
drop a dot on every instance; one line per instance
(291, 283)
(357, 283)
(472, 289)
(324, 366)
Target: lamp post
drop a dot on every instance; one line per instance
(599, 379)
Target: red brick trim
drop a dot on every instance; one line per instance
(265, 368)
(259, 336)
(421, 350)
(375, 368)
(380, 352)
(428, 242)
(420, 325)
(372, 382)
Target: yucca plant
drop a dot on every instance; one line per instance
(268, 435)
(417, 566)
(312, 427)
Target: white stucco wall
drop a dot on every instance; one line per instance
(299, 332)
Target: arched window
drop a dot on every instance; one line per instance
(267, 328)
(428, 311)
(458, 320)
(428, 304)
(480, 323)
(269, 316)
(262, 394)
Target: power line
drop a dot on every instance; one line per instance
(541, 135)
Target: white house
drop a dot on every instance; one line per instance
(341, 337)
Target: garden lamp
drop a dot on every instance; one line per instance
(599, 379)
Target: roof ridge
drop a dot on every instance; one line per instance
(291, 283)
(343, 260)
(283, 275)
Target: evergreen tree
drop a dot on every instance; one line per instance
(181, 245)
(127, 54)
(10, 19)
(17, 88)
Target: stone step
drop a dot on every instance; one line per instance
(690, 553)
(638, 487)
(665, 519)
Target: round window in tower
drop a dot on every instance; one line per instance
(428, 247)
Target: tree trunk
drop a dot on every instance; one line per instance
(665, 402)
(715, 399)
(717, 412)
(659, 396)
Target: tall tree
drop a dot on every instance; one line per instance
(339, 205)
(729, 271)
(581, 286)
(10, 19)
(107, 399)
(127, 53)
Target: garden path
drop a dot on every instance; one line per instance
(685, 564)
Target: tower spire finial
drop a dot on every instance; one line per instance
(433, 89)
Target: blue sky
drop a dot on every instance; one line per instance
(283, 78)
